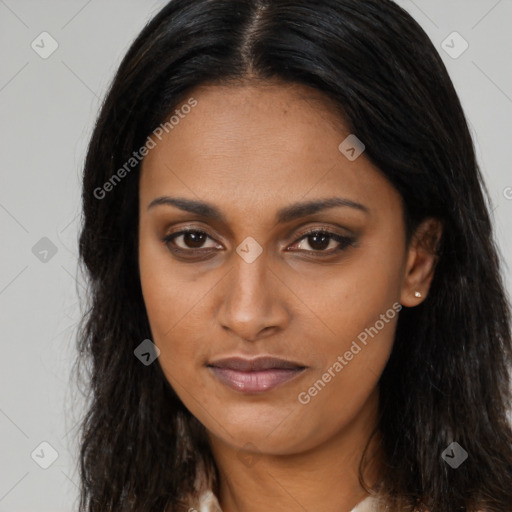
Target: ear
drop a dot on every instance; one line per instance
(422, 257)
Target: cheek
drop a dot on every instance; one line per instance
(352, 331)
(351, 359)
(175, 298)
(342, 301)
(168, 319)
(351, 339)
(164, 298)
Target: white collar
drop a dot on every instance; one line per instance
(208, 503)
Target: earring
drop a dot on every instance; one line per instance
(417, 294)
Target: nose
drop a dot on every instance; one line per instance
(252, 300)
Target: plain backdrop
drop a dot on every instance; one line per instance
(48, 104)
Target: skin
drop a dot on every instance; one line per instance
(251, 150)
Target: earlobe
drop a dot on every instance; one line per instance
(421, 262)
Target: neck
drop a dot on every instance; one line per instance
(323, 478)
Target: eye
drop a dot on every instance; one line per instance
(321, 239)
(191, 240)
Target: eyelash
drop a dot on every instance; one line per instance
(344, 241)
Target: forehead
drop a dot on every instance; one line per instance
(261, 147)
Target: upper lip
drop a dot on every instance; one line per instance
(259, 363)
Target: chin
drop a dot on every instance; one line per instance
(284, 435)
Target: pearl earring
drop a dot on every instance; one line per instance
(417, 294)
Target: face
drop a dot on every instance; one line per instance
(260, 276)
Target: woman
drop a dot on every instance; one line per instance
(296, 296)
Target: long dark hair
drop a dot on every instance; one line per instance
(448, 377)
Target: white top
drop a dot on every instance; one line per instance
(208, 503)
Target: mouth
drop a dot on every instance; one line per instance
(255, 375)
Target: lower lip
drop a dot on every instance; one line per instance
(254, 382)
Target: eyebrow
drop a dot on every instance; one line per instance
(286, 214)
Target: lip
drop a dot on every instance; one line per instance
(255, 375)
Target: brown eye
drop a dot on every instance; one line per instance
(320, 240)
(191, 239)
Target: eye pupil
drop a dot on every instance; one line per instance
(325, 240)
(194, 239)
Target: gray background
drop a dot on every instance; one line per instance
(47, 109)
